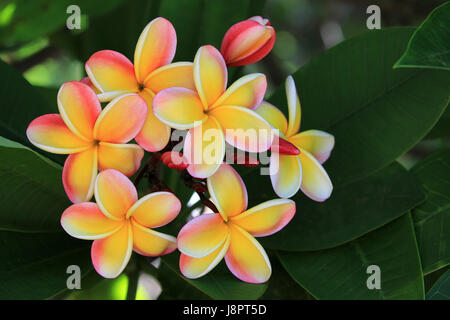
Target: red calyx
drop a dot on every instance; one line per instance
(174, 160)
(284, 147)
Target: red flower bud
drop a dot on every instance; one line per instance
(248, 41)
(284, 147)
(174, 160)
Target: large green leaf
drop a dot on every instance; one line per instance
(441, 289)
(352, 210)
(341, 272)
(36, 252)
(432, 218)
(31, 191)
(376, 113)
(219, 284)
(429, 46)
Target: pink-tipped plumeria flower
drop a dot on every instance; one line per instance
(119, 223)
(289, 173)
(206, 239)
(94, 138)
(215, 114)
(248, 41)
(114, 75)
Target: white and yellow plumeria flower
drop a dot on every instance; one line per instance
(289, 173)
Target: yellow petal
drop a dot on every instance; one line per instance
(244, 128)
(151, 243)
(273, 116)
(178, 74)
(155, 47)
(125, 158)
(285, 174)
(114, 193)
(316, 142)
(293, 106)
(315, 182)
(228, 191)
(210, 74)
(266, 218)
(204, 148)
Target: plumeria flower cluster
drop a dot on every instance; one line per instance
(143, 101)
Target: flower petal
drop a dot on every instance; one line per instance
(86, 221)
(89, 83)
(210, 74)
(246, 258)
(178, 74)
(228, 191)
(121, 120)
(125, 158)
(244, 128)
(78, 176)
(315, 182)
(50, 133)
(148, 242)
(293, 106)
(266, 218)
(110, 255)
(155, 134)
(112, 73)
(316, 142)
(155, 209)
(285, 174)
(202, 235)
(204, 148)
(194, 268)
(247, 91)
(79, 107)
(155, 47)
(273, 116)
(114, 193)
(179, 108)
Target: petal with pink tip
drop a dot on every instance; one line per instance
(293, 106)
(202, 235)
(266, 218)
(111, 73)
(246, 258)
(114, 193)
(50, 133)
(285, 174)
(228, 191)
(155, 209)
(210, 74)
(89, 83)
(316, 142)
(78, 176)
(273, 116)
(79, 107)
(86, 221)
(179, 108)
(148, 242)
(125, 158)
(315, 182)
(204, 148)
(121, 120)
(178, 74)
(194, 268)
(244, 128)
(155, 47)
(247, 91)
(155, 134)
(110, 255)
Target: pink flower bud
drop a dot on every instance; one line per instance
(248, 41)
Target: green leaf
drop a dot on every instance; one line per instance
(376, 113)
(429, 47)
(352, 211)
(432, 218)
(34, 19)
(31, 191)
(341, 272)
(441, 289)
(34, 265)
(219, 284)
